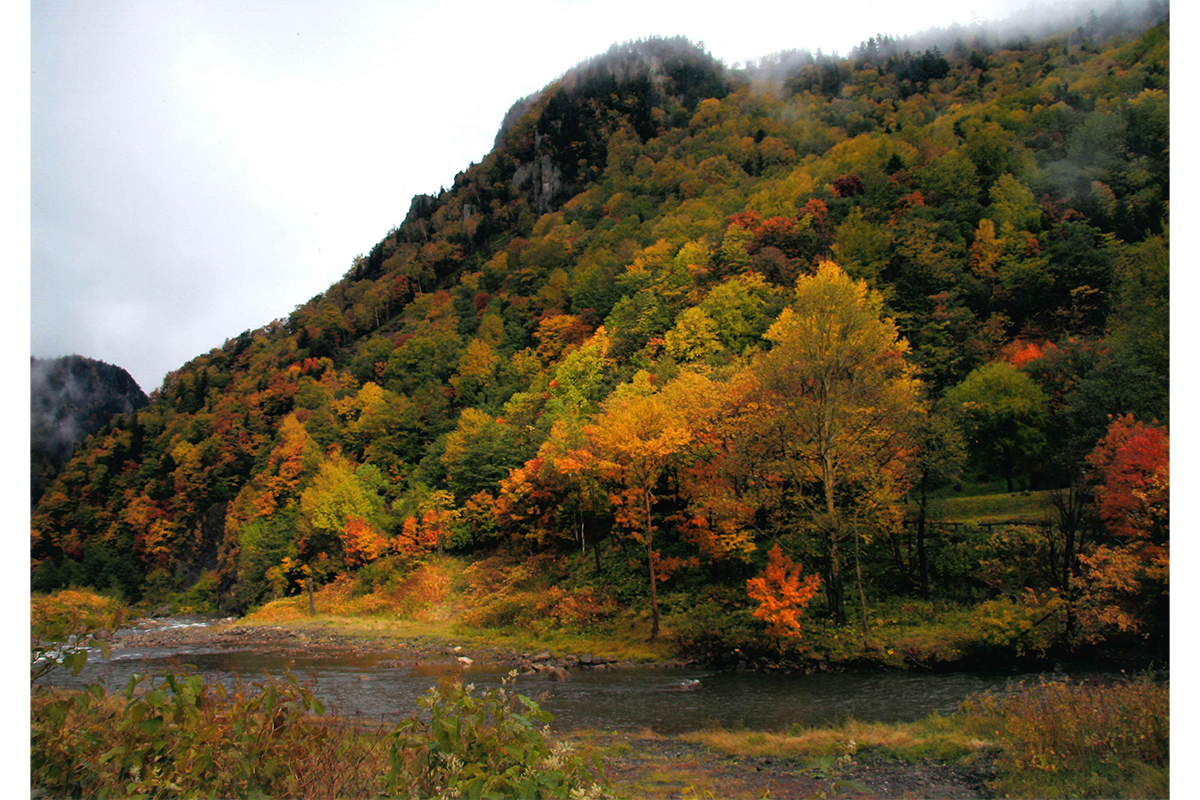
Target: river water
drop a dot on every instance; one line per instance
(665, 700)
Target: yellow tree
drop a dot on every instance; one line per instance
(635, 438)
(837, 395)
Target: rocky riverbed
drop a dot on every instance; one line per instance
(411, 652)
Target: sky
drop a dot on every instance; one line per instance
(198, 169)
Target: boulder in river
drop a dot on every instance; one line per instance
(558, 674)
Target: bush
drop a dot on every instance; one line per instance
(493, 745)
(180, 736)
(1066, 739)
(716, 625)
(64, 624)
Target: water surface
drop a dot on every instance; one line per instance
(665, 700)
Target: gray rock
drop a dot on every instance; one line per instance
(542, 656)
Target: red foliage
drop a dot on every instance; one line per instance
(1022, 351)
(817, 211)
(1132, 466)
(781, 594)
(848, 186)
(750, 220)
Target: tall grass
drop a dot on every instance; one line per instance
(1079, 739)
(181, 736)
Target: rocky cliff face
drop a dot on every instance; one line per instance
(70, 399)
(643, 86)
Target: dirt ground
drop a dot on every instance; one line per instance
(649, 766)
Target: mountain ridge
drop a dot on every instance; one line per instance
(643, 220)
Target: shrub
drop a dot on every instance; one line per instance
(64, 624)
(492, 745)
(1066, 739)
(717, 624)
(181, 736)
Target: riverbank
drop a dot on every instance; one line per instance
(1053, 739)
(335, 636)
(646, 765)
(478, 604)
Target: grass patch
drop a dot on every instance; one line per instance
(1014, 506)
(936, 737)
(450, 599)
(1051, 740)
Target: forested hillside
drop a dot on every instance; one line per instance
(709, 343)
(71, 398)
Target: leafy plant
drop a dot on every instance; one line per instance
(490, 745)
(174, 735)
(1069, 739)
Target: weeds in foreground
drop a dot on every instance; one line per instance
(490, 745)
(180, 736)
(1073, 739)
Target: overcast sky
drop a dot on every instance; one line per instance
(200, 168)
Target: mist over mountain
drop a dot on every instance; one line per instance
(70, 399)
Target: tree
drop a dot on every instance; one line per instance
(837, 393)
(941, 453)
(781, 595)
(1003, 411)
(694, 336)
(1124, 582)
(1132, 467)
(479, 452)
(336, 518)
(635, 438)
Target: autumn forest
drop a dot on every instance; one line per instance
(846, 357)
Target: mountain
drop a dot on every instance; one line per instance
(644, 227)
(70, 399)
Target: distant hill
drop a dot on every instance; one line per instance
(71, 398)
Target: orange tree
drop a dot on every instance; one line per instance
(638, 434)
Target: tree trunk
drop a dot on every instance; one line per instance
(833, 587)
(312, 609)
(653, 578)
(922, 559)
(1069, 504)
(595, 545)
(862, 595)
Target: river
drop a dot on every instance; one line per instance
(665, 700)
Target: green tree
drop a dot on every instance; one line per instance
(1003, 411)
(479, 453)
